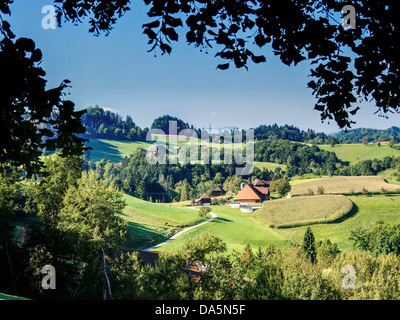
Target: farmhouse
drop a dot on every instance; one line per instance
(205, 200)
(218, 191)
(261, 183)
(255, 192)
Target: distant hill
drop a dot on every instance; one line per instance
(374, 135)
(104, 124)
(292, 133)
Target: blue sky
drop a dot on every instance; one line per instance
(118, 73)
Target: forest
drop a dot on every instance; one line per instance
(373, 135)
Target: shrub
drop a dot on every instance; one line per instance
(320, 190)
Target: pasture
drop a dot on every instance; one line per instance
(151, 223)
(356, 152)
(233, 227)
(269, 165)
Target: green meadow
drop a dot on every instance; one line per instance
(356, 152)
(4, 296)
(115, 150)
(344, 185)
(152, 223)
(268, 165)
(366, 210)
(234, 228)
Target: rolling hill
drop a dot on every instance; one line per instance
(151, 223)
(235, 229)
(356, 152)
(115, 150)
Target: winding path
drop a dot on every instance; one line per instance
(213, 216)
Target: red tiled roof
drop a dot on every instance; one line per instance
(263, 190)
(249, 192)
(261, 183)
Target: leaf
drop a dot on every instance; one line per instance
(165, 48)
(171, 33)
(234, 28)
(312, 85)
(258, 59)
(173, 22)
(223, 66)
(154, 24)
(150, 33)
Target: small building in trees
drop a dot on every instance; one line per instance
(205, 200)
(218, 191)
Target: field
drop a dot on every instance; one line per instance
(268, 165)
(151, 223)
(233, 227)
(356, 152)
(284, 213)
(115, 150)
(366, 210)
(345, 185)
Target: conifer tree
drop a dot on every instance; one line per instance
(309, 247)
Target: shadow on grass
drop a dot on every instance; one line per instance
(142, 237)
(348, 215)
(220, 220)
(102, 149)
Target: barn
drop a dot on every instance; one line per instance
(205, 200)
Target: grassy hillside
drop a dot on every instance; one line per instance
(4, 296)
(284, 213)
(344, 185)
(357, 152)
(365, 212)
(115, 150)
(152, 223)
(233, 227)
(269, 165)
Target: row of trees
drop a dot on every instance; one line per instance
(370, 135)
(298, 158)
(292, 133)
(371, 167)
